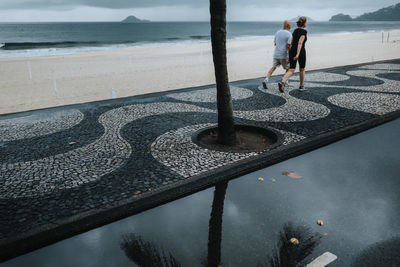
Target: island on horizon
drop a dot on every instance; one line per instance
(133, 19)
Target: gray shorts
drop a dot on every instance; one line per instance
(278, 62)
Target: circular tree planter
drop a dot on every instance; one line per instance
(248, 139)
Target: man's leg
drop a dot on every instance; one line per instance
(271, 70)
(275, 64)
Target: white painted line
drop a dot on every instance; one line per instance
(29, 70)
(113, 93)
(323, 260)
(55, 83)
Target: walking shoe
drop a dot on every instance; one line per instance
(281, 86)
(301, 88)
(264, 84)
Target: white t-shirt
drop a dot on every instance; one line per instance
(282, 39)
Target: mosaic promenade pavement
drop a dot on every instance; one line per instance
(62, 162)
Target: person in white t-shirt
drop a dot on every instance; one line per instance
(283, 40)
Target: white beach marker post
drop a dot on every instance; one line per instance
(382, 36)
(29, 70)
(388, 37)
(113, 93)
(55, 83)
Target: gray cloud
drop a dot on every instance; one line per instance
(121, 4)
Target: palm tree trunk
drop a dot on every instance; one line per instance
(226, 127)
(215, 226)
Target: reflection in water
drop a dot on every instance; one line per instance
(215, 226)
(288, 254)
(145, 254)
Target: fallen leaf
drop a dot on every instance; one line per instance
(72, 143)
(294, 241)
(293, 175)
(320, 222)
(324, 234)
(273, 180)
(149, 189)
(261, 179)
(137, 192)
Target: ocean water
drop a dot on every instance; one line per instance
(44, 39)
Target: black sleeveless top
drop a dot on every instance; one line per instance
(297, 33)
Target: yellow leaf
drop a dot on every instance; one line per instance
(261, 179)
(72, 143)
(320, 222)
(294, 241)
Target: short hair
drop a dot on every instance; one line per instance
(301, 21)
(287, 24)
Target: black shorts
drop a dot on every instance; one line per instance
(302, 59)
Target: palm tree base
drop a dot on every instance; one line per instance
(248, 139)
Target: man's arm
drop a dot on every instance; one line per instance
(289, 45)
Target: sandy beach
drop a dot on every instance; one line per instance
(42, 82)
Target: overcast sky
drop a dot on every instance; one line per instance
(179, 10)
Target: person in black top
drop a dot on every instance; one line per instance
(297, 53)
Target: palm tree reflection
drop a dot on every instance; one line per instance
(288, 254)
(145, 254)
(215, 226)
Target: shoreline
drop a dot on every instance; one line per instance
(109, 47)
(42, 82)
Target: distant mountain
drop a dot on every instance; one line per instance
(133, 19)
(391, 13)
(296, 18)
